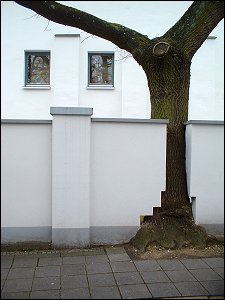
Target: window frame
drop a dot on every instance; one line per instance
(36, 52)
(102, 85)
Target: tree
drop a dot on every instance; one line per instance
(166, 61)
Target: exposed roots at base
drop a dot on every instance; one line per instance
(169, 232)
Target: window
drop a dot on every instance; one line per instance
(100, 69)
(37, 68)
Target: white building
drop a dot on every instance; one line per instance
(71, 177)
(68, 50)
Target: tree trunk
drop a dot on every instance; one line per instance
(172, 225)
(169, 81)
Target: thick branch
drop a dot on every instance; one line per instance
(196, 24)
(123, 37)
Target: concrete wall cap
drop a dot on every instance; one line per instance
(128, 120)
(204, 122)
(79, 111)
(25, 121)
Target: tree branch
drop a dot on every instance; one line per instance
(195, 25)
(123, 37)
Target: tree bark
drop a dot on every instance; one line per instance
(168, 74)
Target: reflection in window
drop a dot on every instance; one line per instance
(101, 69)
(37, 68)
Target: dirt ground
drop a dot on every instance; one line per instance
(214, 248)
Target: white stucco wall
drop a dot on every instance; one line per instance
(65, 72)
(25, 176)
(207, 79)
(22, 30)
(127, 171)
(205, 171)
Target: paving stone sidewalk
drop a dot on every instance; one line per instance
(107, 273)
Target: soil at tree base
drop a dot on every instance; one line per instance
(214, 248)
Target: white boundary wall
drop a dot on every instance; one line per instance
(78, 180)
(205, 172)
(26, 181)
(127, 174)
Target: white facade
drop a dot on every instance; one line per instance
(23, 31)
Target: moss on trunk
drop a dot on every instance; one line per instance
(169, 79)
(169, 232)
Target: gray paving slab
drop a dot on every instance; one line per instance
(128, 278)
(73, 282)
(76, 269)
(17, 285)
(47, 271)
(119, 257)
(181, 275)
(21, 273)
(214, 262)
(101, 279)
(46, 283)
(154, 276)
(79, 293)
(105, 292)
(170, 264)
(52, 294)
(123, 266)
(196, 263)
(96, 258)
(191, 289)
(19, 295)
(205, 274)
(6, 261)
(2, 283)
(163, 290)
(50, 261)
(4, 273)
(98, 267)
(24, 262)
(135, 291)
(147, 265)
(70, 260)
(214, 287)
(219, 271)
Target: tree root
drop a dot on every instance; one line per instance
(169, 232)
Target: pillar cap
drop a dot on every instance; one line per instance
(78, 111)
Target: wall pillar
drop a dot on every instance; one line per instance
(71, 129)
